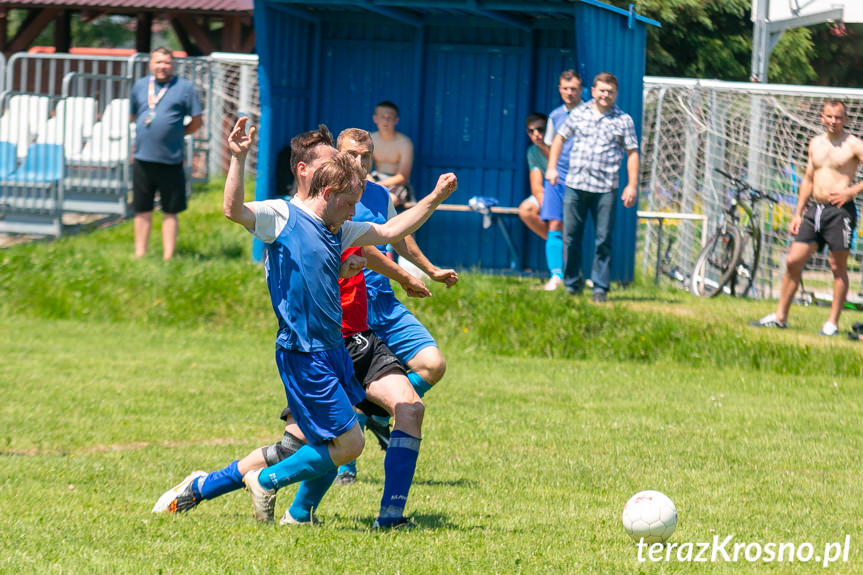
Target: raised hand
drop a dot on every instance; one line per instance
(238, 141)
(415, 287)
(446, 184)
(448, 277)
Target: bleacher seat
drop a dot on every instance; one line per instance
(25, 117)
(45, 163)
(8, 159)
(31, 196)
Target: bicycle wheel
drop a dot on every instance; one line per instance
(743, 281)
(716, 263)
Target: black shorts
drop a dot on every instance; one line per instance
(372, 359)
(827, 224)
(168, 179)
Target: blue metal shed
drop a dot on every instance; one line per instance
(465, 74)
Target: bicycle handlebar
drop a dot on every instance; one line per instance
(741, 186)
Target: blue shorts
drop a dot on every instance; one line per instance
(552, 201)
(321, 390)
(399, 329)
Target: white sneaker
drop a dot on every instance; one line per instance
(288, 519)
(263, 500)
(554, 283)
(829, 329)
(176, 499)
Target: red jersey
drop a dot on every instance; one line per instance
(355, 305)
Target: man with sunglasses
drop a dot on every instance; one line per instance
(537, 162)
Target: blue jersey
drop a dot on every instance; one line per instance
(557, 118)
(159, 132)
(375, 206)
(302, 261)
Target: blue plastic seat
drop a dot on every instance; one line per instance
(44, 163)
(8, 161)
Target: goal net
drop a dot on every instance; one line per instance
(758, 133)
(234, 93)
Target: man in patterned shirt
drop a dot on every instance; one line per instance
(602, 134)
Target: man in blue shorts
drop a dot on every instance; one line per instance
(159, 104)
(305, 239)
(551, 210)
(379, 372)
(391, 321)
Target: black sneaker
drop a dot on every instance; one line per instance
(600, 296)
(380, 427)
(400, 523)
(345, 478)
(769, 320)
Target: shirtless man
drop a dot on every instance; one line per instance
(394, 154)
(829, 219)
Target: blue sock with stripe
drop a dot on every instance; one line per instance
(554, 253)
(308, 462)
(420, 385)
(218, 482)
(309, 496)
(400, 464)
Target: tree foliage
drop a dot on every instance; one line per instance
(713, 39)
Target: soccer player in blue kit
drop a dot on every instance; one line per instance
(305, 239)
(391, 321)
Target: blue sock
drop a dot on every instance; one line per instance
(309, 496)
(219, 482)
(347, 468)
(308, 462)
(399, 466)
(420, 385)
(554, 253)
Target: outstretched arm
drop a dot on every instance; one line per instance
(376, 261)
(239, 144)
(409, 249)
(409, 220)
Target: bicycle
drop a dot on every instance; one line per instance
(729, 261)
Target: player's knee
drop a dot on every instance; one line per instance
(410, 413)
(348, 446)
(436, 369)
(277, 452)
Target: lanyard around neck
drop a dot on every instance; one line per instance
(153, 98)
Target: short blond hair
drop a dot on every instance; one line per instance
(358, 135)
(340, 173)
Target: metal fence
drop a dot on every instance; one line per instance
(76, 108)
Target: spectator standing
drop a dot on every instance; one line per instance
(159, 104)
(828, 219)
(569, 86)
(602, 134)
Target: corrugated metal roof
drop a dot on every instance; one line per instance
(211, 6)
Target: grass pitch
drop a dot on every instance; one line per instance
(119, 377)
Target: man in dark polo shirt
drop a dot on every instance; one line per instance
(159, 104)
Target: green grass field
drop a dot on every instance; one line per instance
(119, 377)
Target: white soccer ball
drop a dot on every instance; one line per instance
(649, 515)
